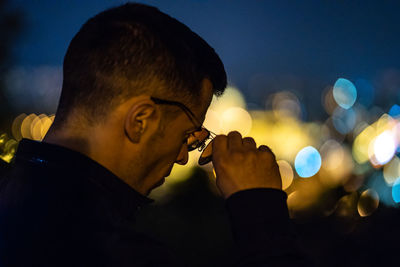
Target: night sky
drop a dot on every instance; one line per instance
(267, 46)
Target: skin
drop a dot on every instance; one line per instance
(130, 144)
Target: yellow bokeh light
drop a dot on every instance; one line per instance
(329, 102)
(26, 126)
(391, 171)
(286, 104)
(368, 202)
(285, 136)
(384, 123)
(384, 147)
(361, 144)
(237, 119)
(337, 163)
(371, 145)
(46, 123)
(16, 126)
(36, 127)
(212, 121)
(232, 97)
(9, 149)
(286, 172)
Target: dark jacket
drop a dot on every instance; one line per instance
(60, 208)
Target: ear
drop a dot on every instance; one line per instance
(141, 117)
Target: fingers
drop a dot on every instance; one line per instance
(249, 143)
(234, 140)
(264, 148)
(219, 145)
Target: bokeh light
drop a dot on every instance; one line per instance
(9, 148)
(344, 120)
(16, 126)
(26, 126)
(396, 191)
(307, 162)
(286, 104)
(231, 98)
(394, 111)
(328, 102)
(344, 93)
(212, 121)
(384, 147)
(286, 172)
(391, 171)
(368, 202)
(236, 119)
(337, 163)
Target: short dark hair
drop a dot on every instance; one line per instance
(121, 51)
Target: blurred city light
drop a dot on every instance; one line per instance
(286, 172)
(231, 98)
(391, 171)
(394, 111)
(344, 93)
(286, 104)
(344, 120)
(235, 119)
(396, 191)
(307, 162)
(337, 164)
(384, 147)
(358, 145)
(368, 202)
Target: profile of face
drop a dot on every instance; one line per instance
(170, 145)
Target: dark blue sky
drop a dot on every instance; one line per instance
(266, 45)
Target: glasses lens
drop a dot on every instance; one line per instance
(197, 139)
(206, 156)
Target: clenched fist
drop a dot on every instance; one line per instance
(240, 165)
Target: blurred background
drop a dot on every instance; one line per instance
(317, 81)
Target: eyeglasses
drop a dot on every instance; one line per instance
(199, 138)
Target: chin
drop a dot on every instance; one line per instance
(158, 184)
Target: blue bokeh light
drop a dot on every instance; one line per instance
(385, 192)
(396, 191)
(307, 162)
(394, 111)
(344, 120)
(344, 93)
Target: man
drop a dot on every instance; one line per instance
(136, 88)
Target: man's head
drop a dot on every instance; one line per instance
(114, 64)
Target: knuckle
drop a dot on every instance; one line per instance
(249, 140)
(234, 133)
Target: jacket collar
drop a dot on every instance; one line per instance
(123, 198)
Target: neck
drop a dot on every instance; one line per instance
(91, 143)
(75, 143)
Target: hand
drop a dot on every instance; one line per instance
(240, 165)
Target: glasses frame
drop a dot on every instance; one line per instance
(210, 135)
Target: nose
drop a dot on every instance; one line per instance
(183, 156)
